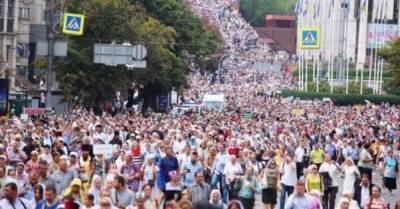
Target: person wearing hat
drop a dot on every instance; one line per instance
(75, 190)
(73, 161)
(29, 147)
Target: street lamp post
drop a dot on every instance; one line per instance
(50, 38)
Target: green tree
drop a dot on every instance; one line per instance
(254, 11)
(192, 35)
(391, 53)
(120, 20)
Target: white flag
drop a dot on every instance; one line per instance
(375, 9)
(389, 9)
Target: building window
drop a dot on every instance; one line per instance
(1, 8)
(22, 50)
(24, 13)
(10, 8)
(10, 26)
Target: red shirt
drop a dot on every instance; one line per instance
(233, 151)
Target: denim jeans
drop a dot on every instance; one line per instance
(221, 180)
(285, 189)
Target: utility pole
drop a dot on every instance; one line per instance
(50, 56)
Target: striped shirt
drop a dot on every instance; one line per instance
(200, 193)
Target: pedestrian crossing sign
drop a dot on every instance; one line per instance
(310, 38)
(73, 24)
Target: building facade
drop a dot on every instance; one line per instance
(16, 19)
(281, 29)
(354, 29)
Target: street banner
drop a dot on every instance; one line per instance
(73, 24)
(34, 111)
(380, 34)
(4, 92)
(309, 38)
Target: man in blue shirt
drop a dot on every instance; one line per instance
(353, 152)
(217, 171)
(299, 199)
(190, 168)
(167, 164)
(50, 201)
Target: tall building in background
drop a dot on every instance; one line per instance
(16, 20)
(355, 28)
(281, 30)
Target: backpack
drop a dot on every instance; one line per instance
(326, 179)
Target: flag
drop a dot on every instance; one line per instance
(331, 7)
(377, 12)
(317, 7)
(297, 7)
(311, 8)
(382, 9)
(374, 9)
(389, 9)
(304, 7)
(364, 4)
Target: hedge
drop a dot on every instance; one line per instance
(342, 99)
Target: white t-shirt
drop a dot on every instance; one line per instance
(331, 169)
(289, 177)
(299, 154)
(179, 146)
(183, 158)
(231, 170)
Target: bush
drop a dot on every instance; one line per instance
(342, 99)
(325, 87)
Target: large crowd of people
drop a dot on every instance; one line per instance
(262, 151)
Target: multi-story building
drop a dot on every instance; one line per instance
(16, 20)
(353, 29)
(282, 30)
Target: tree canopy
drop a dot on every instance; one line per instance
(162, 30)
(391, 53)
(254, 11)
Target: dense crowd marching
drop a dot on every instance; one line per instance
(293, 154)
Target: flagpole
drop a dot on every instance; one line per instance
(314, 63)
(365, 7)
(380, 64)
(370, 59)
(306, 77)
(301, 58)
(346, 45)
(318, 68)
(332, 48)
(318, 53)
(378, 46)
(299, 68)
(299, 55)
